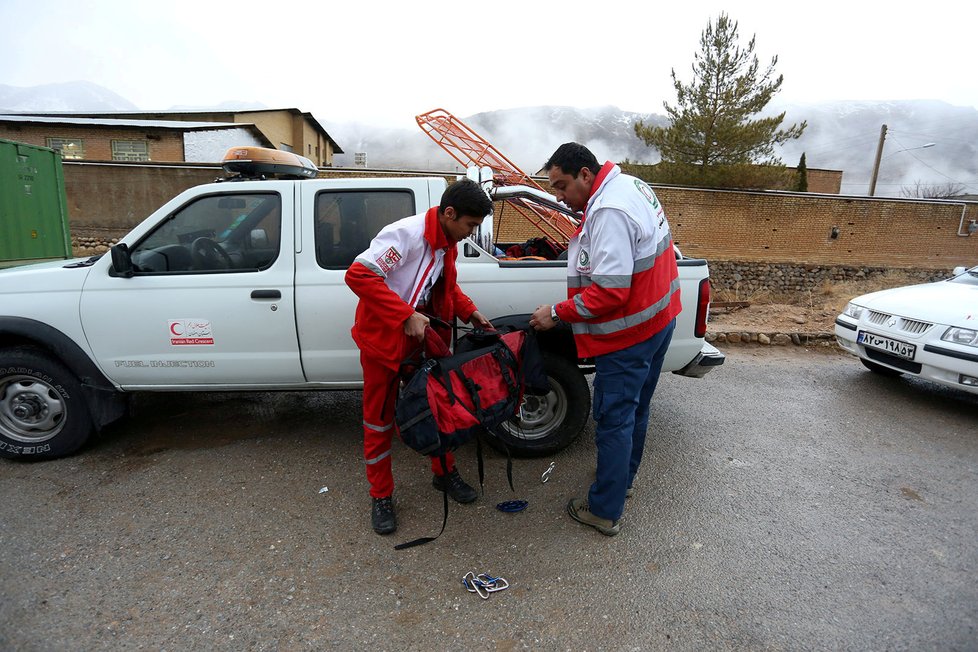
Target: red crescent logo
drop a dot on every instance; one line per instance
(173, 328)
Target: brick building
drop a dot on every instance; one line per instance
(175, 136)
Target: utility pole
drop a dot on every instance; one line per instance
(876, 165)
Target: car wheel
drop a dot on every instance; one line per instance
(42, 411)
(880, 369)
(546, 424)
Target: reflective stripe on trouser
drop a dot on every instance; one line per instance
(624, 382)
(379, 393)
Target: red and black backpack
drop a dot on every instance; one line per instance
(449, 400)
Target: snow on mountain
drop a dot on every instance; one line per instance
(840, 135)
(68, 96)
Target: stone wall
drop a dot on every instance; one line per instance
(746, 279)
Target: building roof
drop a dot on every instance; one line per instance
(159, 115)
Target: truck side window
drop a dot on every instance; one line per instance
(346, 221)
(218, 233)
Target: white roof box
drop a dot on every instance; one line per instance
(256, 162)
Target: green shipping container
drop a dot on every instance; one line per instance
(33, 208)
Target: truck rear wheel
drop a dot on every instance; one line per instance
(42, 411)
(547, 424)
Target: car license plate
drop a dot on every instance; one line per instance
(894, 347)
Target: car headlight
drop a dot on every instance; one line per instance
(854, 311)
(964, 336)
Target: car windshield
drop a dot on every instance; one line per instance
(970, 277)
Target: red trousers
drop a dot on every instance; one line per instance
(380, 387)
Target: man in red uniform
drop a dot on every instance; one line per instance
(409, 270)
(623, 298)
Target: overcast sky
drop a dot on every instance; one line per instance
(382, 63)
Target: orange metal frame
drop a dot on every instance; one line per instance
(469, 148)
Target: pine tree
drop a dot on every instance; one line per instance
(802, 174)
(713, 124)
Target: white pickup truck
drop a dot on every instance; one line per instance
(238, 285)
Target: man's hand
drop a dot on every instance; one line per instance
(414, 326)
(541, 320)
(478, 319)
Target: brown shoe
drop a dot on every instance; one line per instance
(579, 511)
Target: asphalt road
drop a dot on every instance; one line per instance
(790, 500)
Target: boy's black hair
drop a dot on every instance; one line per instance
(571, 157)
(467, 198)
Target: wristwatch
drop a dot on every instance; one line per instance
(553, 314)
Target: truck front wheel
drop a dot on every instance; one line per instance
(546, 424)
(42, 411)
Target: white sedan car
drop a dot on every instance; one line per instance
(929, 330)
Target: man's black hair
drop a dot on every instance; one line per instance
(467, 198)
(571, 157)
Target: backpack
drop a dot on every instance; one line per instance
(449, 400)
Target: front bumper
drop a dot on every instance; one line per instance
(708, 358)
(933, 362)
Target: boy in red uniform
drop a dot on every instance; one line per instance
(409, 270)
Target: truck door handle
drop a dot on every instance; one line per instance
(266, 294)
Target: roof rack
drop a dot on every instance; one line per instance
(261, 162)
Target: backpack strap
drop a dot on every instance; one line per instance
(444, 521)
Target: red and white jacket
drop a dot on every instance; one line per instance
(408, 263)
(622, 277)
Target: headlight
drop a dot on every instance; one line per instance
(964, 336)
(854, 311)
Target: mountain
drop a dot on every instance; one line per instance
(69, 96)
(840, 136)
(526, 136)
(86, 96)
(844, 136)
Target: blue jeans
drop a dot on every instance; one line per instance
(624, 382)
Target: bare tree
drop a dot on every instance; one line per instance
(921, 190)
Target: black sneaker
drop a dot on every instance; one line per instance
(382, 515)
(457, 488)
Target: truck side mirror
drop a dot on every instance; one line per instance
(121, 261)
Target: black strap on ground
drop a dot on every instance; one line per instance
(444, 521)
(481, 462)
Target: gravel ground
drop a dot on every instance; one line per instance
(789, 500)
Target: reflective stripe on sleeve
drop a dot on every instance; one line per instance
(377, 428)
(372, 266)
(615, 281)
(581, 308)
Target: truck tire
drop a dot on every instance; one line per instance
(548, 423)
(43, 414)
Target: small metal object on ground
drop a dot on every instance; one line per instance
(483, 584)
(546, 474)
